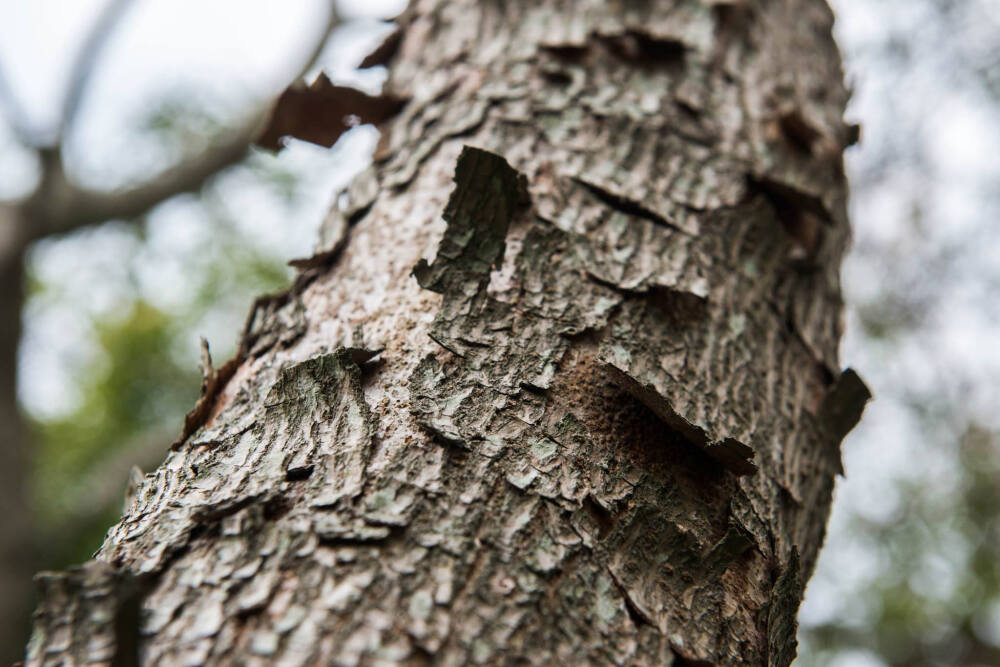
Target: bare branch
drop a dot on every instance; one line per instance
(59, 206)
(17, 117)
(86, 59)
(62, 206)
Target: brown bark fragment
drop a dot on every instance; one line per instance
(384, 52)
(321, 111)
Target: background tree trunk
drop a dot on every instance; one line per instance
(601, 425)
(16, 544)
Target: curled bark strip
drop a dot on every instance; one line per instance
(842, 408)
(320, 112)
(212, 384)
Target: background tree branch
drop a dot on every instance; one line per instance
(87, 58)
(58, 205)
(17, 118)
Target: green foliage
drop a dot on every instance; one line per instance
(132, 386)
(939, 571)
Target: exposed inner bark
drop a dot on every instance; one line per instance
(564, 396)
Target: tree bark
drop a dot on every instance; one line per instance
(581, 404)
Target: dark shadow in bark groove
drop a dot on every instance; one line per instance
(639, 49)
(279, 506)
(299, 474)
(604, 519)
(644, 50)
(625, 426)
(624, 205)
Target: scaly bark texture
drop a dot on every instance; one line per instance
(560, 383)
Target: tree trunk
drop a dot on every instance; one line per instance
(600, 426)
(16, 543)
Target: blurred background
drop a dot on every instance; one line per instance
(108, 359)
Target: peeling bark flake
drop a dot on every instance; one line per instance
(487, 191)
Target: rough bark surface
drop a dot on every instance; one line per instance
(560, 384)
